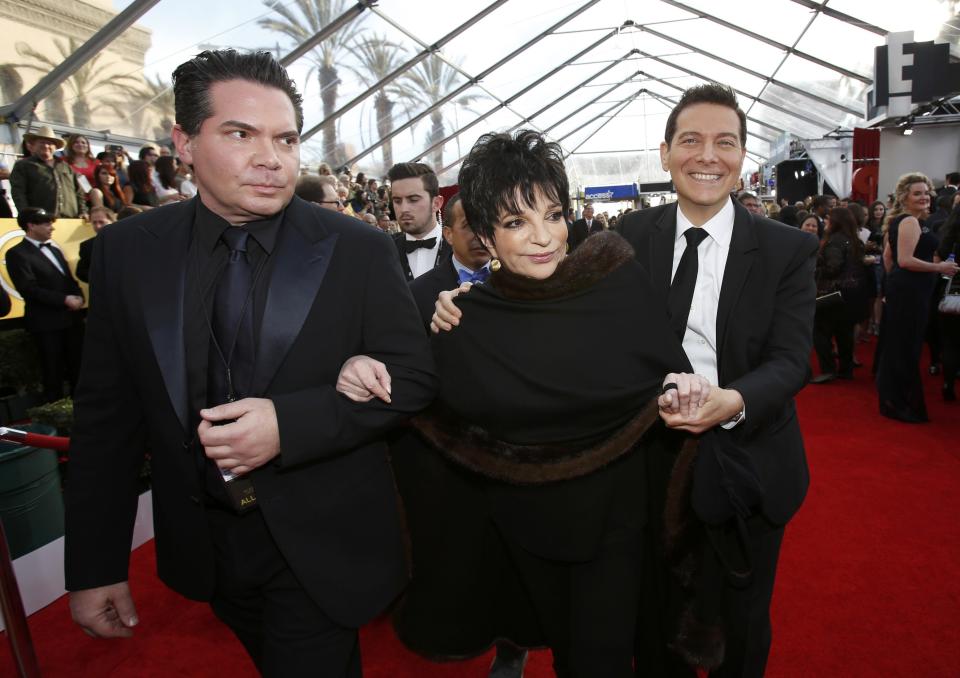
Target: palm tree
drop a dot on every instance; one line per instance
(326, 57)
(157, 97)
(429, 81)
(89, 81)
(378, 58)
(11, 84)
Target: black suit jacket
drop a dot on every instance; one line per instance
(428, 287)
(83, 263)
(400, 238)
(43, 287)
(764, 335)
(579, 232)
(328, 499)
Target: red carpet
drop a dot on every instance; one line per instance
(868, 583)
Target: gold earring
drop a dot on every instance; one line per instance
(494, 264)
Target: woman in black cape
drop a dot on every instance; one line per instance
(525, 510)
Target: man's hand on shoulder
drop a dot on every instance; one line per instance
(104, 612)
(447, 315)
(248, 441)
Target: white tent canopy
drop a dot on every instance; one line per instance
(391, 80)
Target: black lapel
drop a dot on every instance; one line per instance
(661, 249)
(163, 271)
(398, 240)
(743, 249)
(302, 254)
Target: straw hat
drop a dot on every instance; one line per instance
(45, 132)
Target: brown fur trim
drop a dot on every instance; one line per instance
(701, 645)
(597, 257)
(475, 449)
(677, 511)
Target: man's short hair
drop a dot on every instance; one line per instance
(743, 195)
(146, 149)
(953, 178)
(106, 211)
(107, 155)
(310, 188)
(34, 215)
(448, 209)
(192, 81)
(709, 93)
(411, 170)
(128, 211)
(821, 201)
(502, 173)
(945, 202)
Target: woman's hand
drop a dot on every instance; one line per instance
(949, 268)
(362, 379)
(686, 394)
(447, 315)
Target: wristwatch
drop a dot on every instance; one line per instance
(736, 419)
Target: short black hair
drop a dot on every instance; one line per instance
(501, 172)
(192, 80)
(953, 178)
(448, 209)
(310, 188)
(709, 93)
(945, 202)
(411, 170)
(821, 201)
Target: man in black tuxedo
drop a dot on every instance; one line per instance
(581, 229)
(416, 200)
(52, 301)
(216, 332)
(746, 323)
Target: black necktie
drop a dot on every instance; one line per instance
(414, 245)
(231, 358)
(684, 282)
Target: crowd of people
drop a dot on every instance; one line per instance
(564, 385)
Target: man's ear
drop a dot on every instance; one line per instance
(664, 156)
(437, 203)
(183, 144)
(448, 234)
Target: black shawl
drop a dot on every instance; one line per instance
(550, 380)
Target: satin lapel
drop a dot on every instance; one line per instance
(740, 258)
(661, 249)
(298, 271)
(164, 267)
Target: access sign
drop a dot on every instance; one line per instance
(611, 193)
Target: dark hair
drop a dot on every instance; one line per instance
(128, 211)
(873, 226)
(192, 80)
(139, 175)
(410, 170)
(945, 202)
(788, 216)
(953, 178)
(842, 221)
(820, 201)
(166, 169)
(107, 155)
(743, 195)
(502, 172)
(859, 213)
(147, 150)
(114, 190)
(709, 93)
(448, 209)
(310, 188)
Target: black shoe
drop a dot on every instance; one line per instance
(949, 395)
(905, 417)
(823, 378)
(508, 662)
(934, 369)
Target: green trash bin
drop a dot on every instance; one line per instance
(31, 504)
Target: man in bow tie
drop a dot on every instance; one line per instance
(52, 300)
(416, 200)
(468, 261)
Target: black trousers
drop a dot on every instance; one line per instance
(285, 633)
(834, 323)
(950, 329)
(60, 352)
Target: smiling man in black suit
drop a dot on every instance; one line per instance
(217, 329)
(740, 291)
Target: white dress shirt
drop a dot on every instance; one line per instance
(422, 260)
(46, 252)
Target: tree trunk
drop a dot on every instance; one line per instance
(329, 83)
(54, 107)
(436, 134)
(81, 112)
(384, 108)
